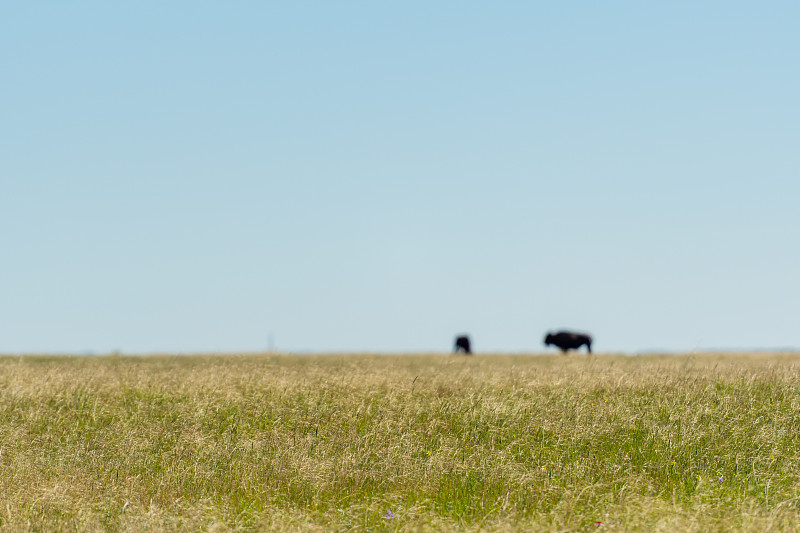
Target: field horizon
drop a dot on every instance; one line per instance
(705, 441)
(543, 352)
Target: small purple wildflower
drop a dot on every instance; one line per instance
(389, 515)
(720, 479)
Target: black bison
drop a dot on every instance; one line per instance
(462, 344)
(566, 340)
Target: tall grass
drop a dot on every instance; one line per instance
(417, 442)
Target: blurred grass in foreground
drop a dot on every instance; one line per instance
(416, 442)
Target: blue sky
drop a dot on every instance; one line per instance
(353, 176)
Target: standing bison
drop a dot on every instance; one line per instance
(462, 345)
(566, 340)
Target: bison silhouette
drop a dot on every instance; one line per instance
(567, 340)
(462, 345)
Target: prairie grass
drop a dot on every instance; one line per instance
(705, 442)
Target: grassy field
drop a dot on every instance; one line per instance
(705, 442)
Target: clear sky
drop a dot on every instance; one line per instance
(351, 176)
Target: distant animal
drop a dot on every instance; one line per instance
(462, 345)
(567, 340)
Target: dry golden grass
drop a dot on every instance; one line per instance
(409, 442)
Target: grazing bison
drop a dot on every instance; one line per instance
(566, 340)
(462, 344)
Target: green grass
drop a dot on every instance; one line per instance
(659, 443)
